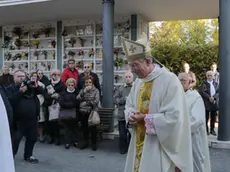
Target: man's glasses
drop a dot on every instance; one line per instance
(86, 67)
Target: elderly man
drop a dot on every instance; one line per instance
(186, 69)
(157, 116)
(120, 97)
(6, 79)
(209, 91)
(201, 160)
(215, 72)
(88, 71)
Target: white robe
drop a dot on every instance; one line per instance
(171, 146)
(201, 159)
(6, 155)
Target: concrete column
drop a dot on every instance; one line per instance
(1, 49)
(224, 59)
(59, 45)
(108, 60)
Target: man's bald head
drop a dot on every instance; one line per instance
(128, 77)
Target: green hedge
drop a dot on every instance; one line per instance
(199, 57)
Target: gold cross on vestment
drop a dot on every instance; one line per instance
(132, 48)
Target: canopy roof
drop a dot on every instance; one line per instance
(151, 10)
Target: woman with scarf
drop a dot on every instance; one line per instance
(53, 94)
(69, 111)
(210, 93)
(89, 98)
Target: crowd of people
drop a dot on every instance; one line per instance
(38, 107)
(162, 118)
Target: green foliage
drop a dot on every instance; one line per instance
(191, 41)
(200, 57)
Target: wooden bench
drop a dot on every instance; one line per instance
(107, 120)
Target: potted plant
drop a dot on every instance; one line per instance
(72, 41)
(45, 53)
(71, 54)
(36, 43)
(80, 53)
(91, 52)
(18, 31)
(18, 43)
(36, 34)
(53, 43)
(8, 56)
(17, 56)
(36, 54)
(26, 43)
(47, 30)
(116, 77)
(81, 64)
(64, 33)
(54, 55)
(25, 54)
(118, 62)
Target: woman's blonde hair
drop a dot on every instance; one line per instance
(71, 80)
(55, 71)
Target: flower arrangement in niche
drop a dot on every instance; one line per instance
(17, 56)
(116, 77)
(118, 62)
(65, 56)
(36, 43)
(71, 53)
(25, 54)
(18, 43)
(92, 65)
(72, 41)
(115, 52)
(100, 54)
(6, 43)
(36, 54)
(12, 66)
(47, 30)
(54, 55)
(53, 43)
(127, 26)
(11, 47)
(82, 41)
(80, 53)
(36, 34)
(26, 43)
(64, 33)
(17, 31)
(80, 64)
(7, 56)
(45, 53)
(91, 52)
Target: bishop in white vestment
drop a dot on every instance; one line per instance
(201, 159)
(157, 116)
(6, 155)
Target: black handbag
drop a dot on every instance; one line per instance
(65, 114)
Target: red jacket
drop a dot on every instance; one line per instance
(69, 74)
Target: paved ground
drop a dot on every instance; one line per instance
(106, 159)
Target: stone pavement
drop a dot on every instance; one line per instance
(105, 159)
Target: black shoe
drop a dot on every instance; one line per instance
(84, 145)
(75, 144)
(67, 146)
(123, 151)
(31, 160)
(94, 147)
(213, 133)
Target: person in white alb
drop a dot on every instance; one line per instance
(157, 116)
(6, 155)
(201, 159)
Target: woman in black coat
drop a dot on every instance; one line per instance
(210, 94)
(52, 96)
(69, 105)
